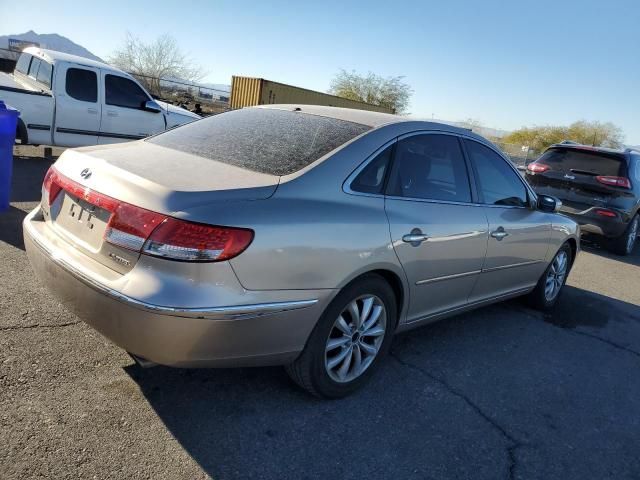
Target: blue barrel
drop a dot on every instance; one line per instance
(8, 124)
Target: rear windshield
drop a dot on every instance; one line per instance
(23, 63)
(274, 142)
(568, 160)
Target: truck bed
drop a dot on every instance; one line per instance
(9, 83)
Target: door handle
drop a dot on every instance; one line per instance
(499, 234)
(92, 110)
(112, 113)
(415, 238)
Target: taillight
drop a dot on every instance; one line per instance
(614, 181)
(153, 233)
(537, 167)
(51, 188)
(130, 226)
(605, 213)
(182, 240)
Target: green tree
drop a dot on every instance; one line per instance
(389, 92)
(588, 133)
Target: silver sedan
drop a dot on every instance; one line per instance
(304, 236)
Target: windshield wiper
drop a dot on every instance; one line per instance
(582, 172)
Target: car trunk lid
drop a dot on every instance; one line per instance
(95, 181)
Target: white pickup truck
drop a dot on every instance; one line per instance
(70, 101)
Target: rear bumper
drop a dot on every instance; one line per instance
(590, 222)
(267, 328)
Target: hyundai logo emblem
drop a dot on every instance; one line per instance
(86, 173)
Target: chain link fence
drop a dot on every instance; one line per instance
(520, 155)
(197, 98)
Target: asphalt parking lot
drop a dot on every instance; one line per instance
(504, 392)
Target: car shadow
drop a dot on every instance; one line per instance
(255, 423)
(594, 247)
(11, 227)
(28, 173)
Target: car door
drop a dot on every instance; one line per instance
(78, 108)
(518, 233)
(124, 116)
(439, 235)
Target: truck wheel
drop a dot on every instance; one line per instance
(624, 244)
(350, 339)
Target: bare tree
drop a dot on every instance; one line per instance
(161, 58)
(389, 92)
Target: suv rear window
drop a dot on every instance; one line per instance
(275, 142)
(578, 161)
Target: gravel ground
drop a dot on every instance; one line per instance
(502, 392)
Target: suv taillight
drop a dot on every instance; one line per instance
(152, 233)
(537, 167)
(614, 181)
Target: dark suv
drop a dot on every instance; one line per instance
(599, 188)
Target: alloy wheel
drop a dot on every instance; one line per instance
(633, 235)
(355, 338)
(556, 275)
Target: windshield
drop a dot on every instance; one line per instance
(570, 160)
(274, 142)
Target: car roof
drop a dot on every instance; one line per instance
(373, 119)
(53, 56)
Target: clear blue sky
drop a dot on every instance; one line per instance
(505, 63)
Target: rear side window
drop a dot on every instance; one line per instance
(275, 142)
(33, 68)
(569, 160)
(23, 63)
(498, 183)
(44, 74)
(430, 167)
(82, 84)
(122, 92)
(371, 178)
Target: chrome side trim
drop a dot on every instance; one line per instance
(447, 277)
(512, 265)
(231, 312)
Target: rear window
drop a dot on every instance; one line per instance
(22, 65)
(567, 160)
(44, 74)
(274, 142)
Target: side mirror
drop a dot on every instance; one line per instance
(151, 106)
(549, 204)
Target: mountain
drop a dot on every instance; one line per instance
(52, 41)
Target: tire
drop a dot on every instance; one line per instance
(624, 244)
(539, 298)
(312, 369)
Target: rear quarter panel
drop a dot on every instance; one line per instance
(36, 110)
(311, 234)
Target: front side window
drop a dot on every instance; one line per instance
(498, 183)
(371, 178)
(44, 74)
(122, 92)
(82, 84)
(23, 63)
(33, 68)
(430, 167)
